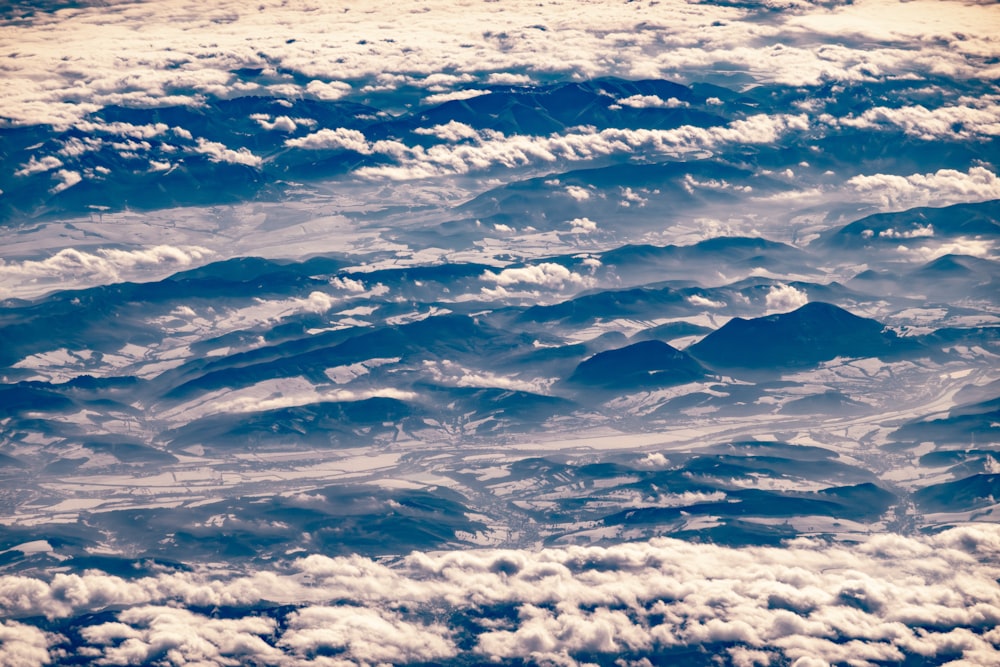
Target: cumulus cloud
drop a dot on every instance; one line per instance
(218, 152)
(978, 118)
(328, 90)
(919, 231)
(281, 123)
(36, 166)
(961, 246)
(24, 646)
(582, 226)
(65, 179)
(441, 98)
(106, 264)
(494, 149)
(705, 302)
(940, 188)
(883, 598)
(783, 298)
(547, 274)
(450, 131)
(183, 55)
(509, 79)
(340, 139)
(652, 102)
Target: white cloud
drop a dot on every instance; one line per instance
(783, 298)
(341, 138)
(182, 55)
(977, 118)
(106, 264)
(328, 91)
(546, 274)
(704, 302)
(281, 123)
(123, 129)
(940, 188)
(652, 102)
(494, 149)
(582, 226)
(934, 597)
(218, 152)
(449, 373)
(441, 98)
(509, 79)
(961, 246)
(366, 635)
(450, 131)
(65, 180)
(246, 401)
(920, 231)
(578, 193)
(36, 166)
(23, 645)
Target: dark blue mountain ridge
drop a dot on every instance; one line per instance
(979, 219)
(324, 424)
(443, 337)
(965, 425)
(805, 337)
(542, 110)
(650, 363)
(969, 493)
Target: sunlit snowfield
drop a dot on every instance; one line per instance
(616, 333)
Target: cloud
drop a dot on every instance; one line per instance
(218, 152)
(36, 166)
(704, 302)
(366, 635)
(582, 226)
(450, 131)
(281, 123)
(783, 298)
(919, 231)
(978, 118)
(65, 180)
(182, 55)
(452, 374)
(509, 79)
(652, 102)
(441, 98)
(328, 91)
(546, 274)
(494, 149)
(578, 193)
(940, 188)
(105, 264)
(961, 246)
(340, 139)
(24, 646)
(246, 401)
(879, 599)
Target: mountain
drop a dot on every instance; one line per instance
(643, 365)
(805, 337)
(980, 219)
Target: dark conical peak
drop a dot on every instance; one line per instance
(814, 333)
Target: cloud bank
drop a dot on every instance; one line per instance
(889, 597)
(185, 53)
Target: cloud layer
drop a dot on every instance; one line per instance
(934, 598)
(187, 52)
